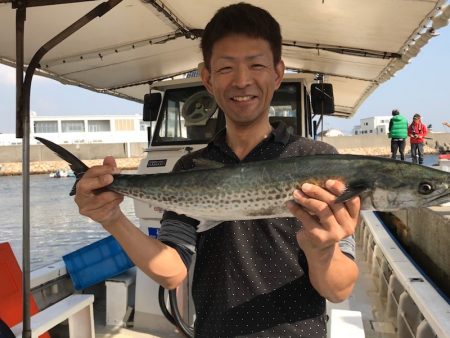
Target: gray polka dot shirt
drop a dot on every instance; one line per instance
(250, 277)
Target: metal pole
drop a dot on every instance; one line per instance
(22, 130)
(23, 91)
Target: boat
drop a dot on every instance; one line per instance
(346, 48)
(61, 173)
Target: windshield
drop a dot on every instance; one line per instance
(191, 115)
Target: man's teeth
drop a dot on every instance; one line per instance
(242, 98)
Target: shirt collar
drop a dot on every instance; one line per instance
(279, 134)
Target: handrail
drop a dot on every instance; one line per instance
(431, 304)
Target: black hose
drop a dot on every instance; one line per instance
(184, 327)
(162, 305)
(174, 316)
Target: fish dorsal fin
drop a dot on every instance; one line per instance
(203, 163)
(353, 189)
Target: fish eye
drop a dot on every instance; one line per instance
(425, 188)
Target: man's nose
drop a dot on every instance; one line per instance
(242, 77)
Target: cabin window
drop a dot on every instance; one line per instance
(188, 115)
(191, 116)
(284, 106)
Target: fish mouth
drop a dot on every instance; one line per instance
(440, 199)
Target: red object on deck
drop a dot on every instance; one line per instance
(444, 156)
(11, 289)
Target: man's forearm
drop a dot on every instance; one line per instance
(332, 273)
(159, 261)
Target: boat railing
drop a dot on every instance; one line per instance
(411, 303)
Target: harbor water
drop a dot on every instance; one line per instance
(56, 226)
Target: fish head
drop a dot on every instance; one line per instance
(413, 186)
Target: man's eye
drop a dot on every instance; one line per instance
(224, 70)
(258, 66)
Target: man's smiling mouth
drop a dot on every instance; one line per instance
(243, 98)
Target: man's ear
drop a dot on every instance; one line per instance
(205, 74)
(279, 70)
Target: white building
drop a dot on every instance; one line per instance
(377, 125)
(84, 129)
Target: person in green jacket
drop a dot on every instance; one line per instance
(398, 132)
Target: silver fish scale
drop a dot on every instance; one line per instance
(239, 193)
(261, 189)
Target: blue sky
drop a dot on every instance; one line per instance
(421, 87)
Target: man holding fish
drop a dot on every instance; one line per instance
(253, 278)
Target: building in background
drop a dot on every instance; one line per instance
(377, 125)
(84, 129)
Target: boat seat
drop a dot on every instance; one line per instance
(77, 309)
(119, 289)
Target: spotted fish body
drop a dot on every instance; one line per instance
(261, 189)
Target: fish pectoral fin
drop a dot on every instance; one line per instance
(206, 225)
(352, 190)
(203, 163)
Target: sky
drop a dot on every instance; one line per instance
(421, 87)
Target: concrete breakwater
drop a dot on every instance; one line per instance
(43, 160)
(46, 167)
(128, 157)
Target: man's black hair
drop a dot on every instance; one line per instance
(395, 112)
(244, 19)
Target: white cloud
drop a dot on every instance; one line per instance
(42, 79)
(7, 75)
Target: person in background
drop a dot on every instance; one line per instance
(417, 132)
(398, 132)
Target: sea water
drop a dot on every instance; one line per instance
(57, 227)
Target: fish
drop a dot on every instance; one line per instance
(214, 193)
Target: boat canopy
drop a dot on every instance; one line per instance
(356, 45)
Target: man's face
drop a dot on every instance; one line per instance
(242, 78)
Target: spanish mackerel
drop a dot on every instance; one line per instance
(261, 189)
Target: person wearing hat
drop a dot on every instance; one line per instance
(417, 132)
(398, 132)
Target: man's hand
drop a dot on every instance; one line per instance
(324, 224)
(100, 206)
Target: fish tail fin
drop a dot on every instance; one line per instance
(78, 167)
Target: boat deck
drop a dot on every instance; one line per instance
(391, 298)
(364, 299)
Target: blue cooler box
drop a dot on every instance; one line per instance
(96, 262)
